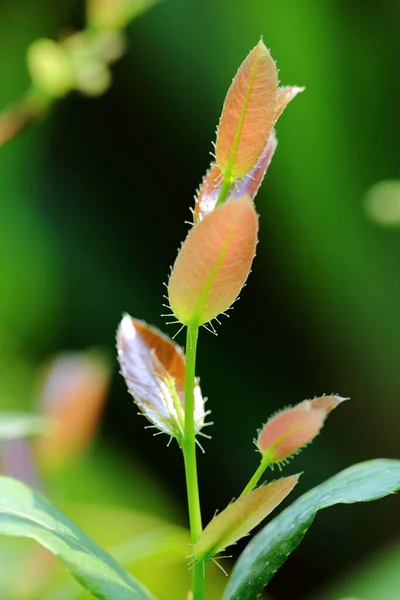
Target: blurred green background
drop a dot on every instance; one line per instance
(93, 201)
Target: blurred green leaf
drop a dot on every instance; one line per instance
(267, 552)
(379, 577)
(24, 513)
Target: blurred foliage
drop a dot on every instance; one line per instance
(92, 207)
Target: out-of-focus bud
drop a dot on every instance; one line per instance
(72, 395)
(49, 67)
(382, 203)
(240, 517)
(214, 263)
(93, 78)
(154, 370)
(114, 14)
(293, 428)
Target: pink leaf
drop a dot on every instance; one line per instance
(214, 263)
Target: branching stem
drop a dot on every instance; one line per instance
(265, 462)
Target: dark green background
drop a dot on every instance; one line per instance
(93, 202)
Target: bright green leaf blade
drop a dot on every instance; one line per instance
(24, 513)
(16, 426)
(269, 549)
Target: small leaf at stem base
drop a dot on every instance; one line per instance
(240, 517)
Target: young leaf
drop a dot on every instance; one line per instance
(284, 96)
(214, 263)
(252, 181)
(154, 370)
(208, 193)
(269, 549)
(240, 517)
(291, 429)
(24, 513)
(248, 114)
(326, 403)
(211, 185)
(288, 431)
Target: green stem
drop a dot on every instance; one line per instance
(265, 462)
(189, 454)
(224, 191)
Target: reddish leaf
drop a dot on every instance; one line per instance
(248, 114)
(210, 188)
(72, 396)
(154, 370)
(288, 431)
(214, 262)
(284, 96)
(240, 517)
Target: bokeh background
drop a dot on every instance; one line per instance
(93, 200)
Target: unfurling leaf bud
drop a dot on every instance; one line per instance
(211, 185)
(154, 370)
(213, 263)
(240, 517)
(293, 428)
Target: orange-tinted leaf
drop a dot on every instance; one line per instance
(248, 114)
(325, 403)
(288, 431)
(154, 370)
(211, 185)
(214, 262)
(240, 517)
(72, 396)
(284, 96)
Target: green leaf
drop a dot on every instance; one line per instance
(269, 549)
(16, 426)
(24, 513)
(240, 517)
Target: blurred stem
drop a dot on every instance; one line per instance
(31, 106)
(265, 462)
(224, 191)
(189, 453)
